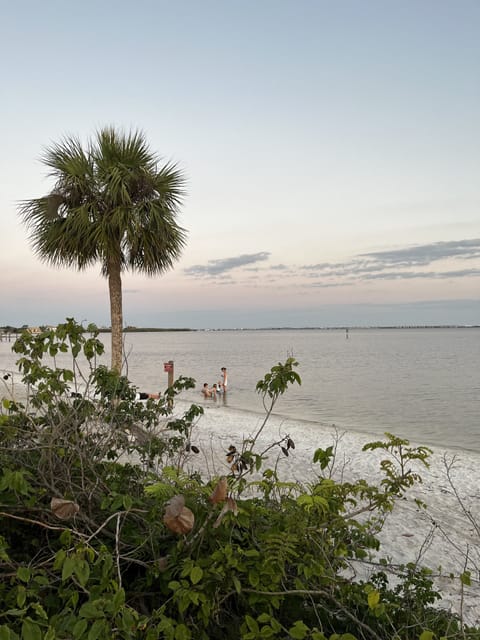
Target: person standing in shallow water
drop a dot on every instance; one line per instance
(206, 391)
(224, 379)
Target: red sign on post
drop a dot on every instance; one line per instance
(168, 366)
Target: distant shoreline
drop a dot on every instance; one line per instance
(8, 331)
(342, 328)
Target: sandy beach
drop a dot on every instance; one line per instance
(444, 537)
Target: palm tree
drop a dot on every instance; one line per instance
(112, 203)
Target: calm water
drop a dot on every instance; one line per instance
(422, 384)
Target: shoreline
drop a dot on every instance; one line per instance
(361, 430)
(437, 537)
(420, 386)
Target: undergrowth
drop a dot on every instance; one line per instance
(104, 534)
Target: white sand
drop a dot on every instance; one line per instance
(443, 537)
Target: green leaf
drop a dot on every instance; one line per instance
(79, 629)
(67, 374)
(159, 489)
(31, 631)
(59, 559)
(66, 537)
(15, 481)
(251, 624)
(319, 501)
(196, 575)
(89, 610)
(98, 630)
(5, 633)
(17, 613)
(21, 595)
(299, 630)
(24, 574)
(119, 599)
(82, 571)
(323, 456)
(173, 585)
(182, 632)
(263, 618)
(237, 584)
(68, 567)
(253, 578)
(465, 578)
(373, 599)
(426, 635)
(39, 610)
(305, 500)
(275, 624)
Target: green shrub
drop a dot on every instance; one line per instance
(104, 535)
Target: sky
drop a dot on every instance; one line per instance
(331, 151)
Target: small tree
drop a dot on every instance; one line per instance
(111, 203)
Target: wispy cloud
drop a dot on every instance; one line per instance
(215, 268)
(437, 275)
(427, 253)
(395, 264)
(328, 285)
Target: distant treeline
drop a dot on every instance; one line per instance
(363, 327)
(12, 330)
(149, 329)
(9, 329)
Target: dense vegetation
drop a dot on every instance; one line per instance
(103, 533)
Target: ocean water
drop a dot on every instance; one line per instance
(421, 384)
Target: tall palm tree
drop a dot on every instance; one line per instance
(112, 203)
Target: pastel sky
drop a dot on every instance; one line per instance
(332, 150)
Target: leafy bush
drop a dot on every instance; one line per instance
(104, 535)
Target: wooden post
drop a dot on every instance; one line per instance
(170, 373)
(169, 368)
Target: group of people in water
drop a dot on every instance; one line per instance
(217, 388)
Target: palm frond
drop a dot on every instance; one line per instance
(111, 198)
(111, 203)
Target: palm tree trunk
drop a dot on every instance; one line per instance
(116, 313)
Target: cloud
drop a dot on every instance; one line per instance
(328, 285)
(393, 264)
(215, 268)
(441, 275)
(427, 253)
(340, 269)
(396, 264)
